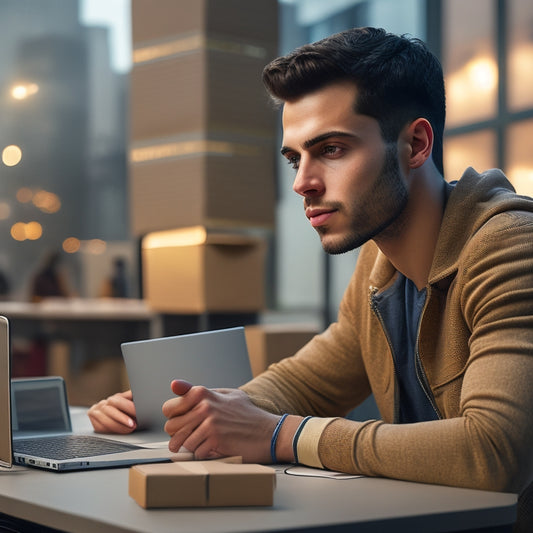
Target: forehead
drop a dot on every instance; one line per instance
(328, 109)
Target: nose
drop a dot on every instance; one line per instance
(308, 181)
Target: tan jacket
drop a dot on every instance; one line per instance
(475, 344)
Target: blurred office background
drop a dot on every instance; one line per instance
(66, 133)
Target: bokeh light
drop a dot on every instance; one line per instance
(71, 245)
(11, 155)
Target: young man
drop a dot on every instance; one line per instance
(437, 321)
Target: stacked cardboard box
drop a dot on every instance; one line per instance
(270, 343)
(194, 271)
(202, 136)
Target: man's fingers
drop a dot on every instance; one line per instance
(180, 386)
(180, 432)
(121, 403)
(108, 419)
(126, 394)
(183, 403)
(108, 425)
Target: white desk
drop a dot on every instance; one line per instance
(80, 331)
(57, 311)
(98, 501)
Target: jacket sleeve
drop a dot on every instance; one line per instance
(488, 444)
(325, 378)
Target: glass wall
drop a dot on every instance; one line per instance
(519, 55)
(470, 61)
(487, 57)
(476, 149)
(519, 155)
(63, 103)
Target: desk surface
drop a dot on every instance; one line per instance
(80, 309)
(99, 501)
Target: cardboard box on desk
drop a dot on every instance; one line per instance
(201, 484)
(195, 271)
(269, 343)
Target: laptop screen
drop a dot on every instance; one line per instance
(39, 405)
(5, 395)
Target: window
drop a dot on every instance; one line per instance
(63, 136)
(487, 55)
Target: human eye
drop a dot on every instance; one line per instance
(332, 150)
(293, 160)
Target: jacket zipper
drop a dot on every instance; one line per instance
(374, 307)
(420, 374)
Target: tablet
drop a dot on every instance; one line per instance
(214, 359)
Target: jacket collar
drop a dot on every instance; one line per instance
(470, 202)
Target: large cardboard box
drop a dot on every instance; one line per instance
(196, 271)
(203, 187)
(202, 90)
(202, 128)
(269, 343)
(201, 484)
(220, 18)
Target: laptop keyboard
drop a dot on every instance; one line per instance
(70, 446)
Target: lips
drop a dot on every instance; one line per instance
(318, 217)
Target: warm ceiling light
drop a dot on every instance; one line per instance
(22, 91)
(178, 237)
(71, 245)
(34, 231)
(11, 155)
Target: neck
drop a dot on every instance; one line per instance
(410, 244)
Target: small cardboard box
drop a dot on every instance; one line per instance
(201, 484)
(194, 271)
(269, 343)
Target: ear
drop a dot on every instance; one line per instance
(419, 136)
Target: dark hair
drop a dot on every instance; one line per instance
(398, 79)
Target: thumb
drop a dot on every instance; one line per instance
(180, 386)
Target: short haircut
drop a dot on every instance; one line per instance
(397, 78)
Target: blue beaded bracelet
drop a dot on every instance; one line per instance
(275, 438)
(296, 436)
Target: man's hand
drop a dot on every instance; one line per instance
(115, 414)
(217, 423)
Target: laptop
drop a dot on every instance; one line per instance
(214, 359)
(45, 439)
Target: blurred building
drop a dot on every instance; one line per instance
(62, 138)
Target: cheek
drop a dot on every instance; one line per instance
(362, 173)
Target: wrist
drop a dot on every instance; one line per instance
(284, 449)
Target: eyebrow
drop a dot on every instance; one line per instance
(318, 139)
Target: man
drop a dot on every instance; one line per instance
(437, 321)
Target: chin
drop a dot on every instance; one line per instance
(340, 244)
(334, 247)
